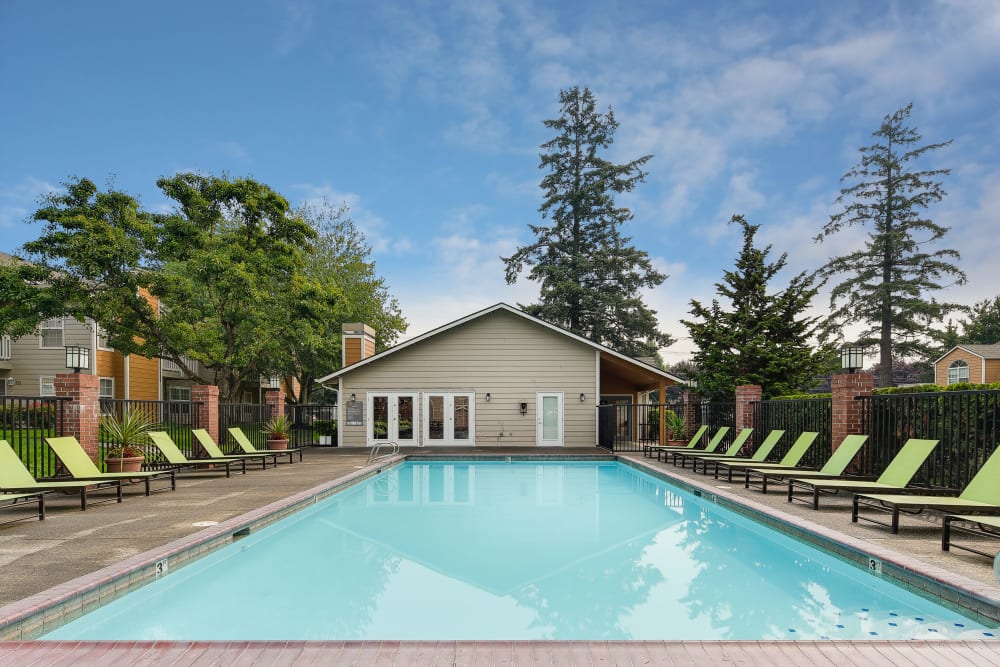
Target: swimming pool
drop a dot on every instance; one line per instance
(522, 550)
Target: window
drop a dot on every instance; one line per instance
(958, 372)
(51, 334)
(102, 339)
(178, 393)
(107, 389)
(46, 386)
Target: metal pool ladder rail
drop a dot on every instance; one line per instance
(375, 453)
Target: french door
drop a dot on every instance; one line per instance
(549, 408)
(392, 417)
(449, 418)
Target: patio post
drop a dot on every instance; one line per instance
(845, 411)
(275, 400)
(82, 412)
(206, 402)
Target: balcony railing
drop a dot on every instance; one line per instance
(4, 347)
(169, 365)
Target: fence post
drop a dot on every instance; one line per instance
(81, 414)
(845, 412)
(690, 412)
(746, 395)
(275, 400)
(206, 402)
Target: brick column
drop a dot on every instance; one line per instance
(690, 412)
(275, 400)
(846, 412)
(206, 402)
(745, 395)
(83, 411)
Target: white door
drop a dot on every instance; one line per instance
(392, 417)
(549, 408)
(449, 418)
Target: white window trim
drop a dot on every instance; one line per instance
(101, 381)
(957, 365)
(41, 336)
(102, 345)
(42, 381)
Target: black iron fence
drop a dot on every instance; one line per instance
(794, 417)
(250, 417)
(177, 418)
(313, 425)
(628, 427)
(25, 422)
(966, 423)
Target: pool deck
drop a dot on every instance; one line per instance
(71, 546)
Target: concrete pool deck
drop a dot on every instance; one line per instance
(36, 556)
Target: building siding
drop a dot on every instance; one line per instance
(975, 367)
(501, 354)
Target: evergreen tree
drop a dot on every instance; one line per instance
(982, 327)
(887, 281)
(765, 338)
(589, 274)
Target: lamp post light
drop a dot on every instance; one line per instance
(852, 358)
(77, 357)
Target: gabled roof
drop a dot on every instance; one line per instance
(983, 351)
(514, 311)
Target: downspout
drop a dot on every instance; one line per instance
(340, 411)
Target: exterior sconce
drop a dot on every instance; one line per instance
(354, 397)
(852, 358)
(77, 357)
(487, 397)
(524, 408)
(583, 397)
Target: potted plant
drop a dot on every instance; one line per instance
(674, 424)
(278, 431)
(326, 429)
(127, 436)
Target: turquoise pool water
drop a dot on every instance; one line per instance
(458, 550)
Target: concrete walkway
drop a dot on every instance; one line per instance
(35, 556)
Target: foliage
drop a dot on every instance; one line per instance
(340, 261)
(674, 424)
(278, 427)
(325, 427)
(127, 432)
(765, 338)
(886, 283)
(982, 326)
(34, 415)
(589, 274)
(934, 388)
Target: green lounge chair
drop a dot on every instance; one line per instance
(985, 525)
(832, 469)
(80, 467)
(244, 443)
(648, 450)
(16, 478)
(980, 496)
(711, 446)
(789, 460)
(759, 456)
(732, 452)
(738, 442)
(176, 459)
(213, 450)
(18, 499)
(896, 476)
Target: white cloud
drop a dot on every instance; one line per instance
(377, 232)
(19, 201)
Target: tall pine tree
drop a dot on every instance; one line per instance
(589, 274)
(764, 339)
(886, 283)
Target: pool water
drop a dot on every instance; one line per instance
(554, 550)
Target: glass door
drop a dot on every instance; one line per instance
(392, 418)
(549, 406)
(449, 418)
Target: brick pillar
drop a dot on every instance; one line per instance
(845, 411)
(745, 395)
(691, 416)
(206, 400)
(83, 411)
(275, 400)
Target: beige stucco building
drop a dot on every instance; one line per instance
(496, 377)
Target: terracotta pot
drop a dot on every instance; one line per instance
(277, 443)
(124, 464)
(676, 443)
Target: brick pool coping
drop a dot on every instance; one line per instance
(22, 621)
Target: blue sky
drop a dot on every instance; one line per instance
(426, 118)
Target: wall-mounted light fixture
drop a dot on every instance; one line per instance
(77, 357)
(524, 408)
(354, 397)
(583, 397)
(488, 397)
(852, 358)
